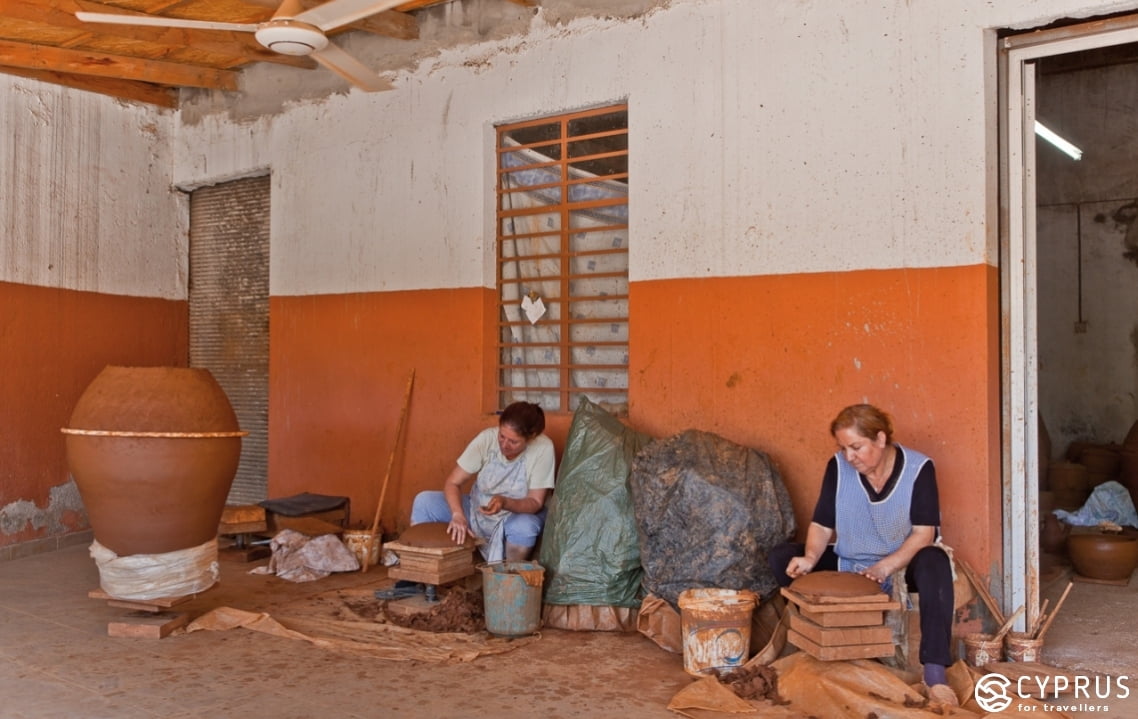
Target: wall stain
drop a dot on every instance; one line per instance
(64, 503)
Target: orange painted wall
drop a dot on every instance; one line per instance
(54, 343)
(338, 371)
(768, 362)
(764, 361)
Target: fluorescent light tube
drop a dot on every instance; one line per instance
(1044, 132)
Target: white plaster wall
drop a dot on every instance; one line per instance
(766, 138)
(85, 195)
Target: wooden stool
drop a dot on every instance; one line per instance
(243, 522)
(840, 627)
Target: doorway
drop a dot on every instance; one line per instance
(1069, 291)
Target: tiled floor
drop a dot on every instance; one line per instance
(56, 659)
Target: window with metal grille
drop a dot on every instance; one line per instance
(562, 260)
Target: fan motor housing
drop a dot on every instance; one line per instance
(289, 37)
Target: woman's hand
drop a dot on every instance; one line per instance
(495, 504)
(458, 528)
(799, 566)
(878, 572)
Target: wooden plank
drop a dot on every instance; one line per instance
(843, 619)
(840, 637)
(801, 602)
(430, 551)
(141, 604)
(427, 576)
(827, 599)
(242, 514)
(147, 626)
(860, 651)
(1109, 582)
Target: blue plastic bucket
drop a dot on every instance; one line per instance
(716, 627)
(511, 594)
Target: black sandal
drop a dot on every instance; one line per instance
(401, 590)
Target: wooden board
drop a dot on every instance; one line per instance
(1108, 582)
(859, 606)
(144, 605)
(147, 626)
(1034, 671)
(431, 565)
(840, 637)
(844, 619)
(858, 651)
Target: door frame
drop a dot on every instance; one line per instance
(1018, 271)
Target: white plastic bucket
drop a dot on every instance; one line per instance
(716, 628)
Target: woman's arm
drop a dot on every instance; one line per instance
(452, 490)
(817, 539)
(918, 539)
(529, 504)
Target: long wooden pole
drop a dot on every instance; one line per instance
(387, 475)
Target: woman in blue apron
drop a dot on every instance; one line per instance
(881, 500)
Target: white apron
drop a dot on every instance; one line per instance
(497, 476)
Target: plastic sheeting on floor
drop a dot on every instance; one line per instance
(845, 690)
(383, 641)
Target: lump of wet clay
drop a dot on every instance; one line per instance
(430, 535)
(834, 584)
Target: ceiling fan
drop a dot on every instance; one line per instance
(291, 30)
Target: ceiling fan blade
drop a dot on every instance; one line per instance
(152, 20)
(333, 14)
(351, 69)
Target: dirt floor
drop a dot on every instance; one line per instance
(327, 648)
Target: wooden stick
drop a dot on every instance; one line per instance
(982, 590)
(387, 475)
(1034, 629)
(1008, 624)
(1058, 605)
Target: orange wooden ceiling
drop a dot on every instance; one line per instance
(42, 39)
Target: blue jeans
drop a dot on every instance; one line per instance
(522, 530)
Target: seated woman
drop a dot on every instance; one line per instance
(881, 499)
(514, 465)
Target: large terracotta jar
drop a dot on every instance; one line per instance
(153, 451)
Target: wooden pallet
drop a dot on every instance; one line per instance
(431, 565)
(148, 618)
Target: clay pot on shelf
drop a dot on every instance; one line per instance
(1069, 484)
(1110, 557)
(1053, 536)
(153, 451)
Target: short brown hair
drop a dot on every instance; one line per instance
(866, 420)
(525, 418)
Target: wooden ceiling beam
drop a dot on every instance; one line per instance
(122, 89)
(80, 62)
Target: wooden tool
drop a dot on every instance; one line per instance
(1058, 605)
(999, 636)
(390, 462)
(1034, 628)
(982, 590)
